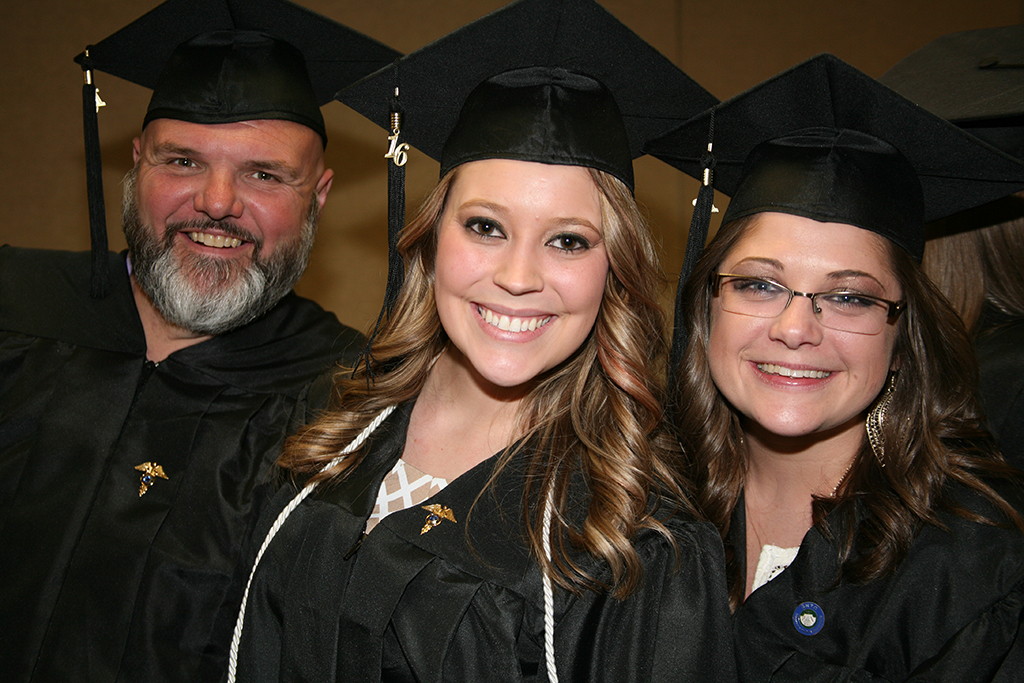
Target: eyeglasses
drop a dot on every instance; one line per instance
(837, 309)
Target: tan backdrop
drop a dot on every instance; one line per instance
(725, 46)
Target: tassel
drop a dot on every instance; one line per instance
(398, 154)
(396, 212)
(99, 284)
(703, 207)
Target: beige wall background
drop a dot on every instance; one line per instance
(725, 46)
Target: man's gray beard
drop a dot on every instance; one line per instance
(207, 295)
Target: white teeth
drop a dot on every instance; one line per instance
(219, 241)
(772, 369)
(507, 324)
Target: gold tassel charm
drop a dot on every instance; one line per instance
(398, 152)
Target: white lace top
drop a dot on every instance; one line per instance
(772, 562)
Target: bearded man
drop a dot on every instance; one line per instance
(134, 427)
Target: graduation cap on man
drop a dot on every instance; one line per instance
(549, 81)
(825, 141)
(222, 61)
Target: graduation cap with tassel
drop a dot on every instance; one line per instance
(825, 141)
(549, 81)
(221, 61)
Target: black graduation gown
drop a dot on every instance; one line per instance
(951, 612)
(411, 606)
(1001, 384)
(98, 583)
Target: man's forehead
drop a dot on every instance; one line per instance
(259, 140)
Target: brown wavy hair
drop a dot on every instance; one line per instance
(598, 414)
(932, 434)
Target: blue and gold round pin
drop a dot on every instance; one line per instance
(808, 618)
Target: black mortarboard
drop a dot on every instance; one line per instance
(221, 61)
(974, 79)
(550, 81)
(825, 141)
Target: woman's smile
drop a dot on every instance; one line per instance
(512, 323)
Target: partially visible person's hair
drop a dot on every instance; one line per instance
(598, 414)
(932, 432)
(980, 269)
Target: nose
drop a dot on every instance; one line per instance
(218, 196)
(797, 325)
(518, 270)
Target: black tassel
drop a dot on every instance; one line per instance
(396, 221)
(99, 284)
(397, 156)
(699, 225)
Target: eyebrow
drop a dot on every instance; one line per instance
(846, 274)
(172, 149)
(279, 168)
(777, 265)
(484, 205)
(574, 221)
(835, 275)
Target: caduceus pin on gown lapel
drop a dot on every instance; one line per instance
(150, 471)
(438, 513)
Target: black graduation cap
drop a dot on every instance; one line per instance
(556, 81)
(220, 61)
(972, 78)
(551, 81)
(825, 141)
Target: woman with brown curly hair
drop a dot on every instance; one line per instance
(826, 397)
(496, 499)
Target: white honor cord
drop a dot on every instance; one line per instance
(549, 596)
(236, 638)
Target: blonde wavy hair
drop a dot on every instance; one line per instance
(599, 414)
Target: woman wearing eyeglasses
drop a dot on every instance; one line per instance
(826, 396)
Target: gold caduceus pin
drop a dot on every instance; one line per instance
(437, 514)
(149, 470)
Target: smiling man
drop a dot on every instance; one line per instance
(136, 417)
(225, 224)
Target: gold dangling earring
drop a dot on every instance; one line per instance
(876, 416)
